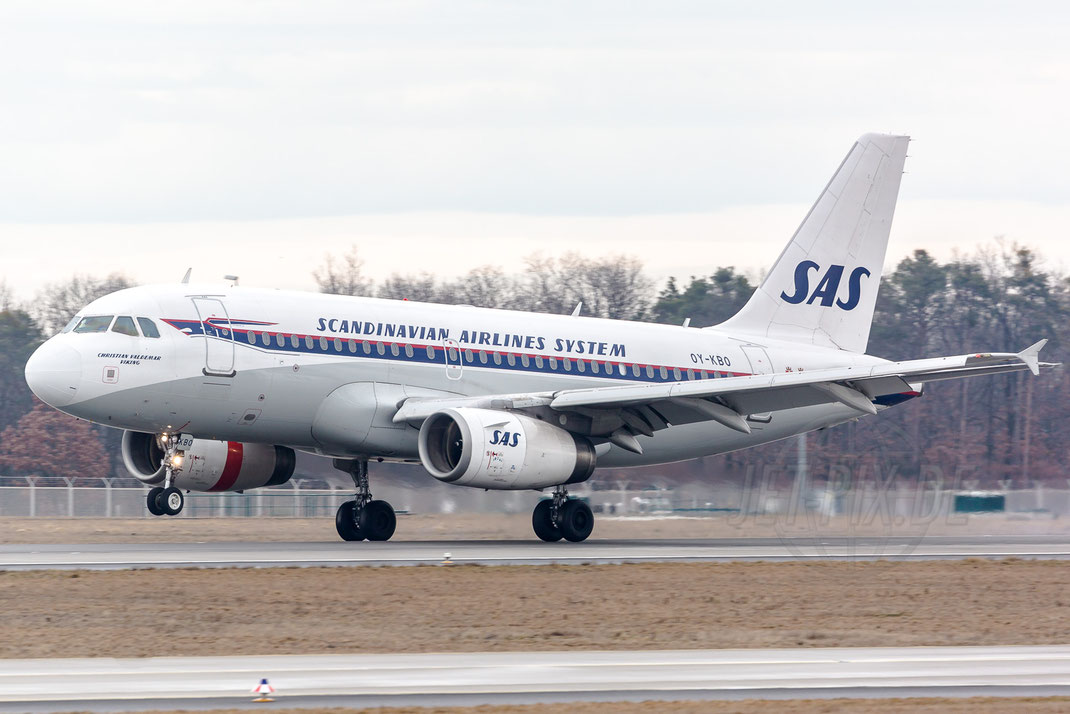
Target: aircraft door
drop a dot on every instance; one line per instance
(758, 358)
(759, 364)
(452, 352)
(218, 336)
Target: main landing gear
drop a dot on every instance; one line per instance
(363, 518)
(168, 500)
(562, 517)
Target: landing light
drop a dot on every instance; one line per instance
(176, 460)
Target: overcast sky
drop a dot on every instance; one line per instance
(255, 137)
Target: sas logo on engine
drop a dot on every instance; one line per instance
(828, 287)
(504, 438)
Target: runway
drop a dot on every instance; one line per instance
(474, 678)
(250, 554)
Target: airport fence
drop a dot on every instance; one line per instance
(24, 497)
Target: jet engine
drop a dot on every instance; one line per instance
(209, 465)
(485, 448)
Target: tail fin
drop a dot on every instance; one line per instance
(823, 287)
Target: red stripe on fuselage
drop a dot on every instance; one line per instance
(231, 469)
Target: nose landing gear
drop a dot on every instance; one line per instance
(168, 500)
(562, 517)
(363, 518)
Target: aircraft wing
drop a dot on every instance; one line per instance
(645, 408)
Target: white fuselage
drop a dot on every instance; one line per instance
(255, 365)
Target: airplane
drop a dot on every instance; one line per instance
(216, 387)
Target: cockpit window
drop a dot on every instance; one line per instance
(125, 326)
(148, 327)
(96, 323)
(70, 325)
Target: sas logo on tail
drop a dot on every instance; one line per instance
(504, 438)
(828, 287)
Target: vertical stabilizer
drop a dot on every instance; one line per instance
(823, 287)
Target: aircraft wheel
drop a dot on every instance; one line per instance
(346, 524)
(170, 501)
(150, 501)
(543, 523)
(377, 520)
(575, 521)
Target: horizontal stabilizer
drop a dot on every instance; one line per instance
(1030, 356)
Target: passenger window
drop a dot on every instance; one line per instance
(98, 323)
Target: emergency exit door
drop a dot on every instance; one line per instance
(758, 358)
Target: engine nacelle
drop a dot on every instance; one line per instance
(485, 448)
(209, 465)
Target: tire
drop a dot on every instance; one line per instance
(543, 524)
(576, 521)
(150, 501)
(346, 524)
(170, 501)
(377, 520)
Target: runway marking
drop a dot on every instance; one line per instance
(543, 676)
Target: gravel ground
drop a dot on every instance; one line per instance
(525, 608)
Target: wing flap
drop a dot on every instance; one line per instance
(646, 408)
(854, 386)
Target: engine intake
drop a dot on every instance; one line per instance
(484, 448)
(210, 465)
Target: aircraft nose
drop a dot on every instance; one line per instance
(53, 372)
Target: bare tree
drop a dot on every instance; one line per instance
(45, 442)
(343, 277)
(7, 298)
(612, 287)
(486, 286)
(57, 303)
(545, 286)
(615, 287)
(420, 288)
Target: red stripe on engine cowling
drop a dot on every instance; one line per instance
(231, 469)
